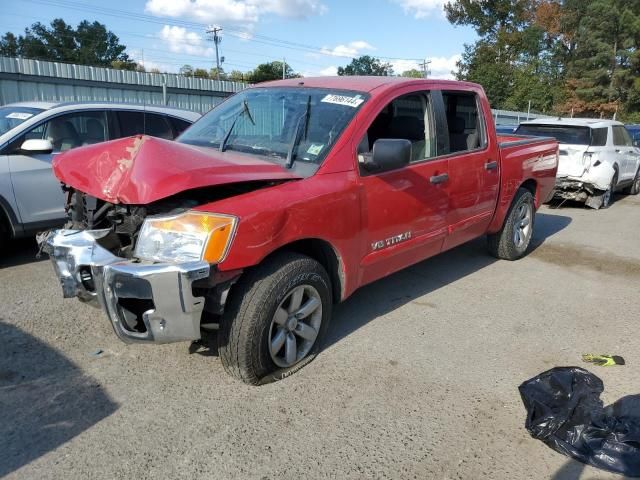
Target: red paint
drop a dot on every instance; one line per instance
(337, 205)
(140, 170)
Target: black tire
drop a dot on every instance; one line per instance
(5, 232)
(607, 200)
(244, 338)
(634, 188)
(502, 244)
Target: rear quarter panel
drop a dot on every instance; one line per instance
(524, 159)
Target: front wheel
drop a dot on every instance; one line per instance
(275, 319)
(513, 240)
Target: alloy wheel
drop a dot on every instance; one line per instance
(295, 326)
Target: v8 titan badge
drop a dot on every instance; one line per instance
(391, 241)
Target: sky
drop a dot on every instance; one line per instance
(314, 36)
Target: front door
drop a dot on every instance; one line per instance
(405, 210)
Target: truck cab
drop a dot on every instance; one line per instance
(284, 200)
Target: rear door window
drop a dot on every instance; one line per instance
(621, 137)
(179, 125)
(138, 123)
(158, 126)
(464, 124)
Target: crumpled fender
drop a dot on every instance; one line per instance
(599, 176)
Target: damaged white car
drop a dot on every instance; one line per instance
(597, 158)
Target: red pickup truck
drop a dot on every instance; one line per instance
(284, 200)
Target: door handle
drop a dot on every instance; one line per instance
(436, 179)
(491, 165)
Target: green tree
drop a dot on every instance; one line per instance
(236, 76)
(186, 70)
(603, 68)
(512, 58)
(213, 73)
(270, 71)
(366, 65)
(200, 73)
(413, 73)
(9, 45)
(88, 44)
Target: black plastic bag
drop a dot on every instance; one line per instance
(564, 410)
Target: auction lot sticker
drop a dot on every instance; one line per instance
(343, 100)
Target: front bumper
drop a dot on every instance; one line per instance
(145, 302)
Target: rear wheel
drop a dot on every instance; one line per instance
(634, 188)
(275, 319)
(607, 197)
(4, 231)
(513, 240)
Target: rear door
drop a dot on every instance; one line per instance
(37, 191)
(474, 166)
(624, 152)
(404, 210)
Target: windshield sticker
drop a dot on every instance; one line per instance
(19, 115)
(343, 100)
(315, 149)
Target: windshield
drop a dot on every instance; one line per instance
(283, 125)
(567, 134)
(11, 117)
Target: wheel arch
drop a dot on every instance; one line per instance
(8, 218)
(532, 185)
(326, 255)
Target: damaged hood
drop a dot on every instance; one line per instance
(142, 169)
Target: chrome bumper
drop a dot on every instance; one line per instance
(145, 302)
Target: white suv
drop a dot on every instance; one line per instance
(597, 158)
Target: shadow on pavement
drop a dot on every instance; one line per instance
(390, 293)
(20, 252)
(45, 400)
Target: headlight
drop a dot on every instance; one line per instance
(187, 237)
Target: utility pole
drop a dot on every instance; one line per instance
(425, 68)
(216, 40)
(284, 68)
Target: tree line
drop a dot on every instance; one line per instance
(579, 57)
(569, 57)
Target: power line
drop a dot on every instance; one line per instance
(236, 32)
(183, 42)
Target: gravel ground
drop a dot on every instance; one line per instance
(418, 378)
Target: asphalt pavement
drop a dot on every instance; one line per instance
(418, 378)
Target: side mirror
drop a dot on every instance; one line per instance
(35, 145)
(388, 154)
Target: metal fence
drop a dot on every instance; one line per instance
(508, 117)
(31, 80)
(24, 79)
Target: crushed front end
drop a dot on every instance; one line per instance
(147, 300)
